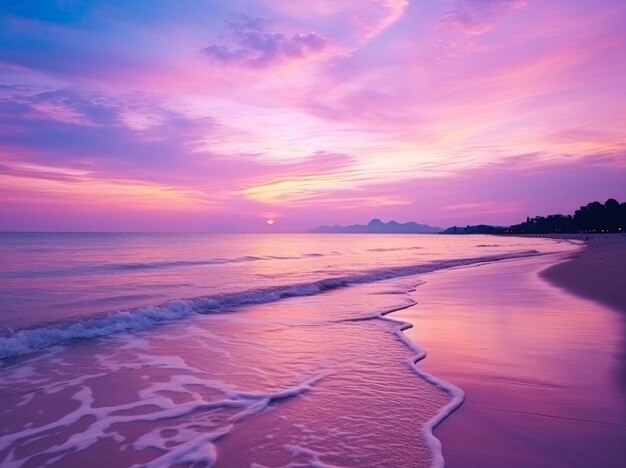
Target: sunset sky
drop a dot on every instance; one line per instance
(192, 115)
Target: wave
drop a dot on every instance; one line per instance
(137, 266)
(81, 270)
(20, 342)
(126, 267)
(393, 249)
(457, 396)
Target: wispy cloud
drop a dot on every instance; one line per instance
(252, 45)
(476, 17)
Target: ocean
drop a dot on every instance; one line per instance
(223, 349)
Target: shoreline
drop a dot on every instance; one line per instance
(457, 397)
(536, 362)
(603, 261)
(597, 271)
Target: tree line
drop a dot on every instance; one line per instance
(593, 217)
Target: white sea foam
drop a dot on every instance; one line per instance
(456, 394)
(188, 442)
(16, 343)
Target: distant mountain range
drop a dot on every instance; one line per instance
(377, 226)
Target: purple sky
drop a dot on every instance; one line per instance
(170, 115)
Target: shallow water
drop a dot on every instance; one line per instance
(271, 384)
(539, 367)
(283, 361)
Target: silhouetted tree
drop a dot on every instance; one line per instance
(612, 214)
(594, 217)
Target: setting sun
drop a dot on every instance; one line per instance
(270, 221)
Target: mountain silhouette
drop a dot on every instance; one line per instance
(378, 226)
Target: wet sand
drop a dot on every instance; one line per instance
(597, 272)
(539, 366)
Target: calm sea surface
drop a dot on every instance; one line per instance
(225, 350)
(49, 277)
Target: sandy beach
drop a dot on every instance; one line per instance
(541, 368)
(597, 272)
